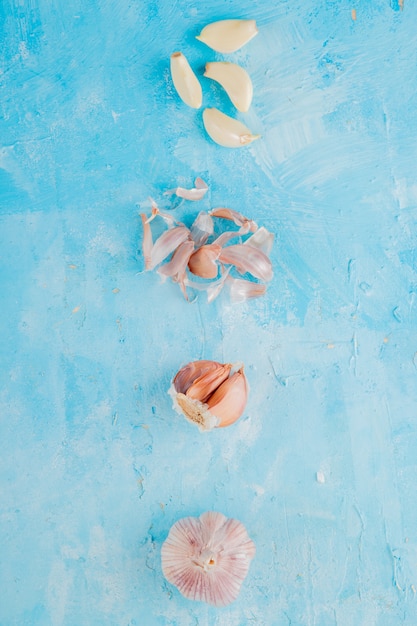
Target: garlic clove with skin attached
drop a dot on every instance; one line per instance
(203, 261)
(205, 386)
(229, 400)
(234, 80)
(210, 394)
(185, 81)
(228, 35)
(225, 130)
(193, 371)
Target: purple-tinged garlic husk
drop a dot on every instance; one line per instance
(210, 394)
(196, 193)
(201, 258)
(208, 557)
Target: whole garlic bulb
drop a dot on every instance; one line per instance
(207, 558)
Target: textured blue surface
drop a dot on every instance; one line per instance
(95, 465)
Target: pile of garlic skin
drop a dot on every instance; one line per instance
(225, 36)
(200, 259)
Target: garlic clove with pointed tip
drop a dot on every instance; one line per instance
(229, 400)
(234, 80)
(225, 130)
(191, 372)
(185, 81)
(228, 35)
(204, 386)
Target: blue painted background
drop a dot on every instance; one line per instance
(95, 465)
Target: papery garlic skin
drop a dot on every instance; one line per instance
(235, 81)
(242, 290)
(228, 35)
(210, 394)
(202, 228)
(247, 258)
(167, 243)
(185, 81)
(225, 130)
(207, 558)
(196, 193)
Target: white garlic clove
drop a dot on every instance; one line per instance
(234, 80)
(228, 35)
(185, 81)
(225, 130)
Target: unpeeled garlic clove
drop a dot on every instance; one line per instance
(190, 372)
(204, 386)
(185, 81)
(203, 261)
(229, 400)
(228, 35)
(209, 394)
(225, 130)
(234, 80)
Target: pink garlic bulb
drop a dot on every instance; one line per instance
(207, 558)
(210, 394)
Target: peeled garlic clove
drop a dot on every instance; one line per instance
(228, 35)
(203, 261)
(229, 400)
(247, 258)
(204, 386)
(225, 130)
(207, 558)
(185, 81)
(234, 80)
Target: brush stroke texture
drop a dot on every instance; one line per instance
(95, 465)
